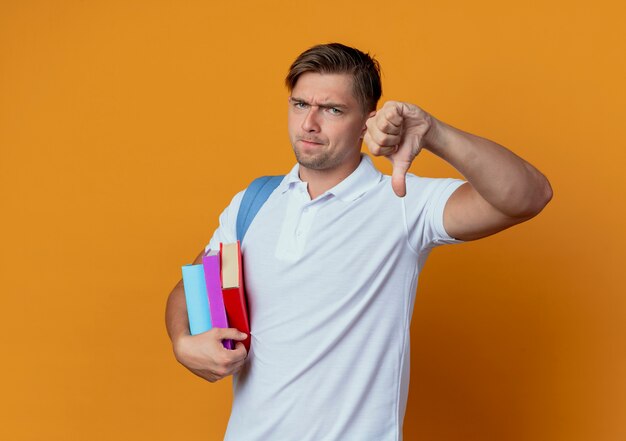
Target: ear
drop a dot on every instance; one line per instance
(364, 129)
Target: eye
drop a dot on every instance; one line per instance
(335, 111)
(299, 104)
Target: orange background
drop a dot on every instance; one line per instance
(127, 126)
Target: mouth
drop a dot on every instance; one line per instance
(310, 142)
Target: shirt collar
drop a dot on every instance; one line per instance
(351, 188)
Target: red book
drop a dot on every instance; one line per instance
(233, 289)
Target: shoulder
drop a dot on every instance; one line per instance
(427, 189)
(229, 214)
(258, 190)
(227, 229)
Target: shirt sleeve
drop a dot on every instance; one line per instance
(424, 203)
(227, 230)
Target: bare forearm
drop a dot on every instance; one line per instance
(176, 320)
(510, 184)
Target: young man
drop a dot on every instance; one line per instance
(333, 256)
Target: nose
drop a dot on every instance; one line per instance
(310, 122)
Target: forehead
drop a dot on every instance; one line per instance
(318, 88)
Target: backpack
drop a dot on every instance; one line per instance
(253, 199)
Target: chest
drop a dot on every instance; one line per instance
(303, 259)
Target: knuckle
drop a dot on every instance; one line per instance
(241, 352)
(375, 149)
(385, 151)
(225, 360)
(381, 139)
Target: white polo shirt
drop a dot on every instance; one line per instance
(331, 284)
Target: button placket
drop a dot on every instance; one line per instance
(306, 219)
(301, 213)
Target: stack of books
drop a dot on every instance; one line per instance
(214, 291)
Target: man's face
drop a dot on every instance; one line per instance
(326, 122)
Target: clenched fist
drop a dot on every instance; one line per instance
(398, 132)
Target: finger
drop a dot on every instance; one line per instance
(230, 333)
(238, 366)
(378, 150)
(233, 360)
(387, 127)
(381, 124)
(380, 137)
(239, 353)
(384, 139)
(236, 356)
(392, 112)
(371, 145)
(398, 175)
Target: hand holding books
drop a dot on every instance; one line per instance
(204, 355)
(214, 292)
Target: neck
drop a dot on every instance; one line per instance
(320, 181)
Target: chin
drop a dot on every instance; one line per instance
(314, 162)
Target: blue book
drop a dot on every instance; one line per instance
(197, 299)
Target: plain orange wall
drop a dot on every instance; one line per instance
(127, 126)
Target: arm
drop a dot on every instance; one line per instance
(502, 189)
(203, 354)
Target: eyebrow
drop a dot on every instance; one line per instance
(324, 106)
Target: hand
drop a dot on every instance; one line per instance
(204, 355)
(397, 131)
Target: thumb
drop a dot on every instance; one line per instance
(231, 334)
(398, 175)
